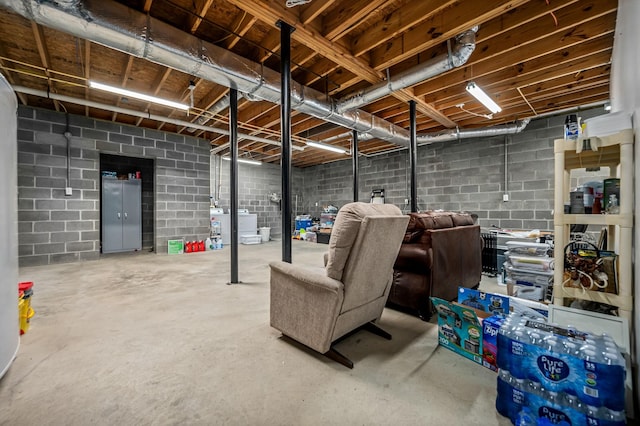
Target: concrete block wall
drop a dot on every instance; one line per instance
(467, 175)
(54, 228)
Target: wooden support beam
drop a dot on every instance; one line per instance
(38, 33)
(87, 71)
(147, 6)
(158, 85)
(346, 17)
(201, 11)
(241, 26)
(125, 78)
(498, 55)
(272, 13)
(314, 9)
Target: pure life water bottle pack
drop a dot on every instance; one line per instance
(557, 375)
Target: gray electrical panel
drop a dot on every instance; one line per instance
(121, 215)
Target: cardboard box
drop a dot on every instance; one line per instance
(460, 328)
(495, 304)
(175, 246)
(470, 327)
(490, 327)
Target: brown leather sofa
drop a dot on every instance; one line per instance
(440, 252)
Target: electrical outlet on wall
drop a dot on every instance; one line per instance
(68, 191)
(505, 197)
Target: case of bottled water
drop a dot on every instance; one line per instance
(541, 362)
(526, 402)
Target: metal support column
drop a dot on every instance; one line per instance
(413, 155)
(354, 162)
(285, 129)
(233, 146)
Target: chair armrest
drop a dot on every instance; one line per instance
(307, 276)
(305, 304)
(326, 259)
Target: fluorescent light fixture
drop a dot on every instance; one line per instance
(136, 95)
(327, 147)
(242, 160)
(479, 94)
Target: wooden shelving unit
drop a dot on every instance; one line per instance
(616, 152)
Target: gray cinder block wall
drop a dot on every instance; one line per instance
(460, 175)
(55, 228)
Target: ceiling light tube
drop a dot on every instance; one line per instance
(479, 94)
(242, 160)
(136, 95)
(327, 147)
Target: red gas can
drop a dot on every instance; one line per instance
(201, 246)
(187, 247)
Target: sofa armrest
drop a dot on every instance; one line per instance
(457, 260)
(413, 257)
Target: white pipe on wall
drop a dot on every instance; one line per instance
(9, 326)
(141, 114)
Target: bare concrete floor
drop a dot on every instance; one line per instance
(158, 339)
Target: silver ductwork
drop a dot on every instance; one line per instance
(453, 134)
(216, 108)
(465, 44)
(116, 26)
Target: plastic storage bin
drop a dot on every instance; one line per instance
(250, 239)
(528, 249)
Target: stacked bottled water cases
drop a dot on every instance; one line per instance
(557, 375)
(529, 270)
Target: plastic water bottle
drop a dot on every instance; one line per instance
(219, 244)
(535, 338)
(571, 127)
(526, 418)
(503, 358)
(570, 348)
(551, 343)
(615, 416)
(208, 244)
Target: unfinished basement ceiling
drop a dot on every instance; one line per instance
(531, 56)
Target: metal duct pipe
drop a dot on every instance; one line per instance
(116, 26)
(135, 113)
(453, 134)
(221, 105)
(462, 50)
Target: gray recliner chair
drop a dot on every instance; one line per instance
(317, 306)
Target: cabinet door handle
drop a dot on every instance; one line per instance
(118, 215)
(125, 215)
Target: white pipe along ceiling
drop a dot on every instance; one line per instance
(142, 114)
(116, 26)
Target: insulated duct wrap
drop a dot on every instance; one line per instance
(465, 45)
(453, 134)
(116, 26)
